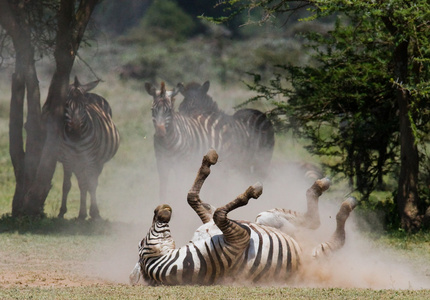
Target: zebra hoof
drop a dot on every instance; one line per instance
(212, 156)
(323, 183)
(256, 190)
(351, 201)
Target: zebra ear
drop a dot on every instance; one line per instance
(76, 83)
(89, 86)
(205, 87)
(150, 89)
(179, 88)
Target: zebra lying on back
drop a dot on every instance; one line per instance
(90, 139)
(185, 136)
(224, 250)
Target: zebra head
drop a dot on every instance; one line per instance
(196, 100)
(162, 214)
(162, 106)
(77, 90)
(158, 240)
(74, 110)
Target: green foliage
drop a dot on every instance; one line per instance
(344, 104)
(163, 20)
(346, 101)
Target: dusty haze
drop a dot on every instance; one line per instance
(128, 194)
(359, 264)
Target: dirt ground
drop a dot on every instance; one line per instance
(37, 273)
(46, 260)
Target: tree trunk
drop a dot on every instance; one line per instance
(24, 80)
(16, 145)
(407, 190)
(407, 194)
(71, 28)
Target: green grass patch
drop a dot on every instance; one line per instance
(45, 225)
(212, 292)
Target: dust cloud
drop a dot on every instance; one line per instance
(359, 264)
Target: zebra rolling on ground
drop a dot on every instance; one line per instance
(90, 139)
(224, 250)
(184, 136)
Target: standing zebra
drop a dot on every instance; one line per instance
(224, 250)
(246, 137)
(90, 139)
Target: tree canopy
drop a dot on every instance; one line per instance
(365, 98)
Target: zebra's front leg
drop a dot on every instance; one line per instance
(203, 210)
(67, 185)
(234, 233)
(337, 240)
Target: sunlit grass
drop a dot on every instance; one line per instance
(214, 292)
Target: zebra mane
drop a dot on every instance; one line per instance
(163, 89)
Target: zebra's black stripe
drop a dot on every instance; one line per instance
(268, 262)
(259, 252)
(280, 255)
(173, 273)
(188, 264)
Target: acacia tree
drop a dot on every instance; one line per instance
(406, 29)
(343, 102)
(53, 27)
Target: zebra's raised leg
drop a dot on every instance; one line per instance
(235, 234)
(203, 210)
(290, 221)
(337, 240)
(312, 216)
(67, 185)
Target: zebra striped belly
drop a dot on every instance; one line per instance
(272, 256)
(207, 259)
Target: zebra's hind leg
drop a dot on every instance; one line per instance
(83, 187)
(290, 221)
(337, 240)
(94, 210)
(312, 216)
(67, 185)
(234, 233)
(203, 210)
